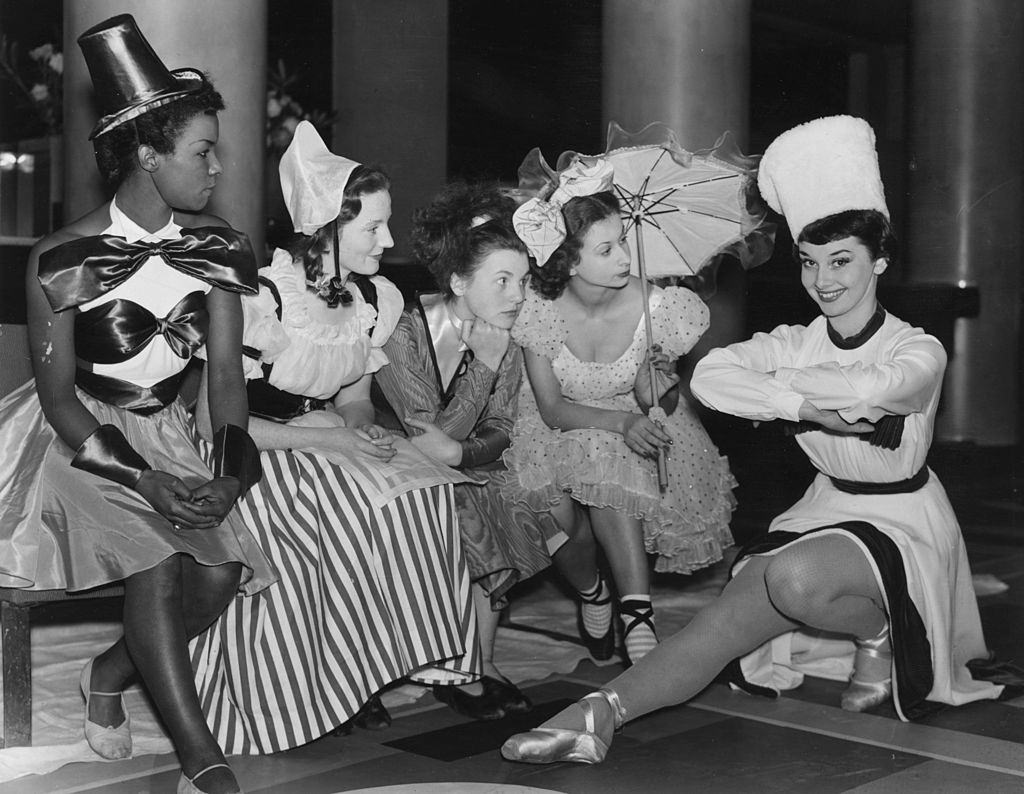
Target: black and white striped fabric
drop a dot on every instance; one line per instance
(366, 596)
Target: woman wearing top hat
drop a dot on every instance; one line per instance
(873, 550)
(371, 590)
(102, 480)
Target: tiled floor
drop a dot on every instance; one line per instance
(722, 741)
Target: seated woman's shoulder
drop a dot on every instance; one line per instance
(91, 224)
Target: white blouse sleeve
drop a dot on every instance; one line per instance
(901, 384)
(740, 379)
(389, 309)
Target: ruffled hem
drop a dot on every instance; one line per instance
(685, 540)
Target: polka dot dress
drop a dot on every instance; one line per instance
(687, 526)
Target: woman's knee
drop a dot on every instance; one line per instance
(796, 586)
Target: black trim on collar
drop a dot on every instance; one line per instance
(862, 336)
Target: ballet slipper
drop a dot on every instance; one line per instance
(861, 694)
(110, 743)
(552, 745)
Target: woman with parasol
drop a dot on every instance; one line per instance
(583, 440)
(873, 550)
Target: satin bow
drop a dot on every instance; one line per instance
(116, 330)
(83, 269)
(540, 224)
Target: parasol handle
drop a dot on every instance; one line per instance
(638, 226)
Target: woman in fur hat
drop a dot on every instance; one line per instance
(873, 550)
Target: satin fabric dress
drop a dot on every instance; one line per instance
(687, 525)
(435, 378)
(62, 527)
(368, 594)
(911, 539)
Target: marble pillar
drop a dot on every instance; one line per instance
(390, 86)
(965, 199)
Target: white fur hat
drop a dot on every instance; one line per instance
(313, 179)
(820, 168)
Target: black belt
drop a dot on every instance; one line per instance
(909, 485)
(130, 396)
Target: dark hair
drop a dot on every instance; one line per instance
(871, 227)
(116, 150)
(580, 214)
(460, 227)
(308, 249)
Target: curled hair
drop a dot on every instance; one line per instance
(116, 150)
(580, 213)
(308, 249)
(461, 226)
(871, 227)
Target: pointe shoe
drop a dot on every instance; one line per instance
(110, 743)
(187, 785)
(552, 745)
(862, 695)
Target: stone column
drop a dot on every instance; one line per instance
(390, 85)
(685, 63)
(966, 199)
(226, 39)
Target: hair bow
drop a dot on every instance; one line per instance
(539, 223)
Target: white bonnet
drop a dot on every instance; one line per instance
(817, 169)
(313, 180)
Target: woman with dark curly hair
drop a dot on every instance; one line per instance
(102, 480)
(590, 429)
(373, 581)
(452, 386)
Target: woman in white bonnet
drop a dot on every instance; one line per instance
(371, 589)
(873, 550)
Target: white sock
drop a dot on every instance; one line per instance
(596, 617)
(639, 636)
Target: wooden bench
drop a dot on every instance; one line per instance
(15, 603)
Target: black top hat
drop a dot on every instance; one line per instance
(128, 76)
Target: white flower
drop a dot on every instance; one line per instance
(56, 62)
(39, 92)
(290, 123)
(273, 108)
(42, 53)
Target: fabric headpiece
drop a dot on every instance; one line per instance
(817, 169)
(128, 77)
(313, 180)
(540, 224)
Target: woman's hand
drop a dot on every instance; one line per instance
(488, 342)
(435, 443)
(832, 421)
(170, 497)
(665, 377)
(644, 437)
(381, 438)
(216, 497)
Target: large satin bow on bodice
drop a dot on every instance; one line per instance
(83, 269)
(116, 330)
(539, 223)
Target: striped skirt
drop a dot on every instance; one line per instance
(366, 596)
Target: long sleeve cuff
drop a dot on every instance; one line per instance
(235, 455)
(107, 453)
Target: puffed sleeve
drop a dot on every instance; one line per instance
(262, 332)
(740, 379)
(389, 310)
(539, 327)
(678, 319)
(901, 383)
